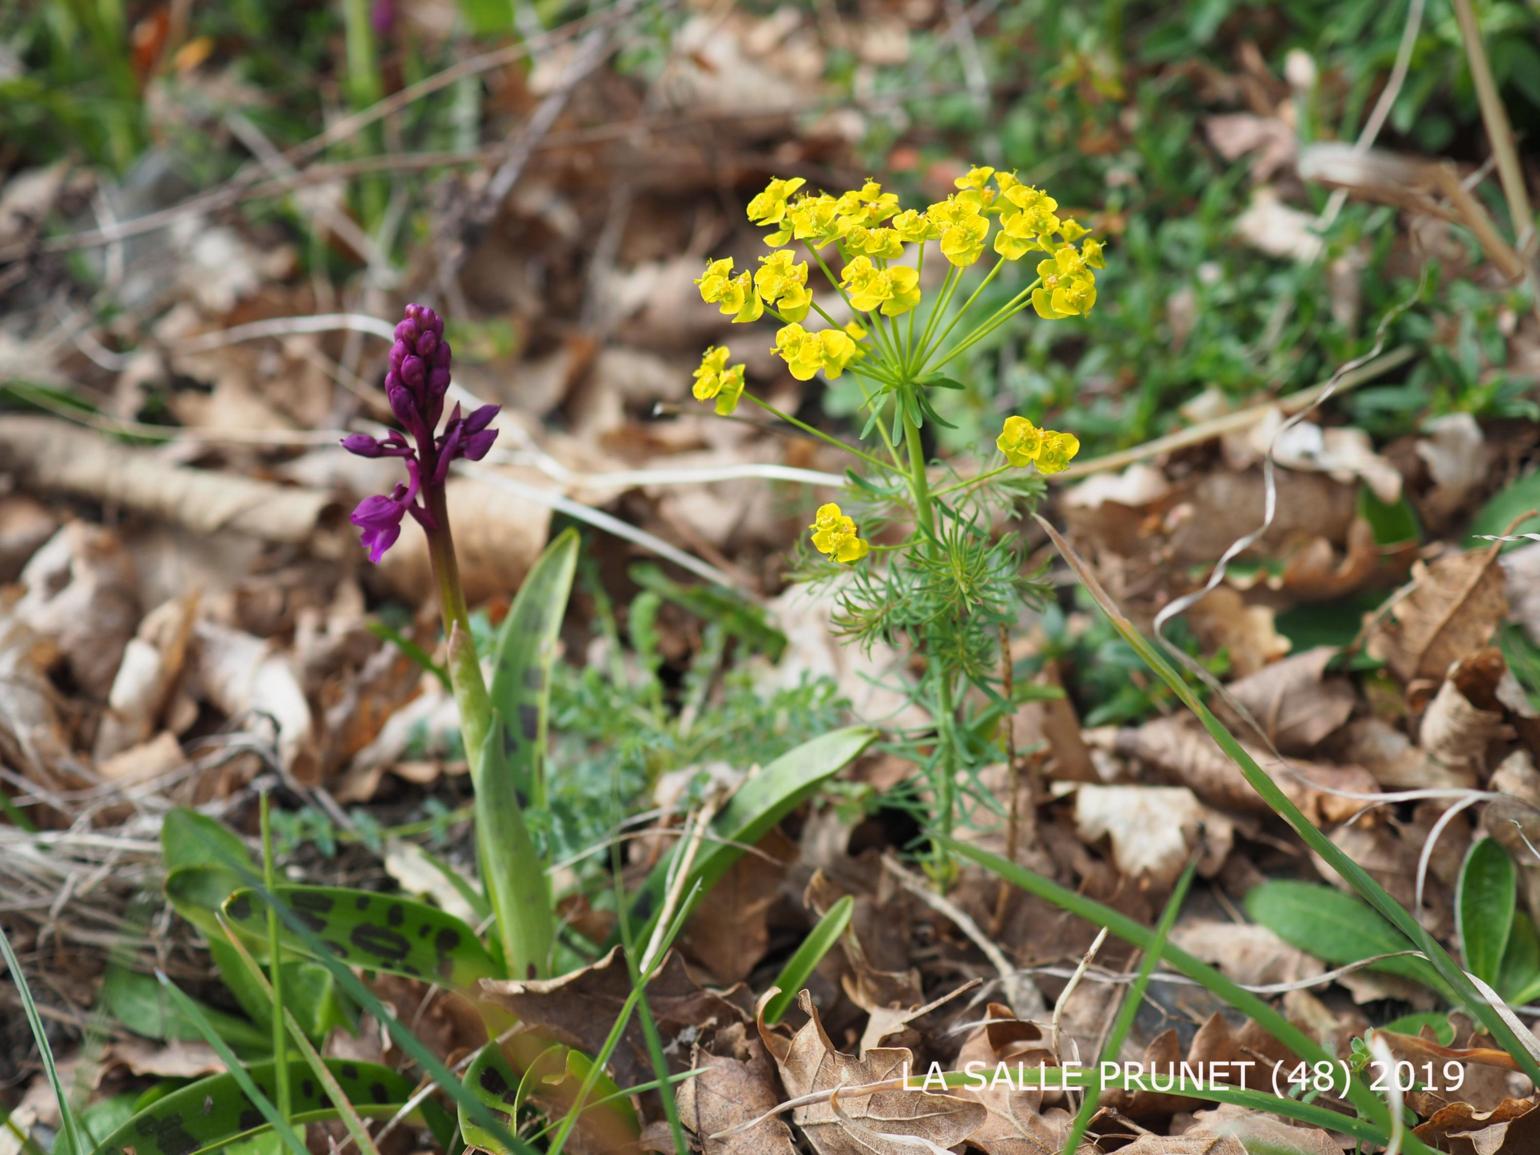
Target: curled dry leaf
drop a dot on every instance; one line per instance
(142, 688)
(1183, 751)
(1293, 701)
(1391, 757)
(78, 592)
(1277, 229)
(1511, 1128)
(245, 678)
(25, 525)
(51, 455)
(1521, 569)
(1452, 608)
(32, 736)
(890, 1121)
(1234, 134)
(1315, 572)
(1467, 715)
(1456, 457)
(1154, 829)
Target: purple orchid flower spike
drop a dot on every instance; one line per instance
(416, 385)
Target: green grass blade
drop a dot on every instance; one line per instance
(379, 932)
(819, 942)
(1125, 1016)
(307, 1050)
(215, 1112)
(264, 1105)
(1354, 875)
(70, 1124)
(275, 959)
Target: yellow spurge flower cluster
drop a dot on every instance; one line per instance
(715, 381)
(834, 534)
(1025, 444)
(873, 233)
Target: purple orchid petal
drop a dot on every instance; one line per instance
(477, 444)
(363, 445)
(481, 417)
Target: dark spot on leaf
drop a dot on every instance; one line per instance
(250, 1119)
(310, 907)
(424, 930)
(529, 721)
(170, 1135)
(378, 1093)
(380, 941)
(362, 902)
(448, 939)
(492, 1081)
(396, 915)
(349, 1070)
(307, 1088)
(534, 678)
(240, 907)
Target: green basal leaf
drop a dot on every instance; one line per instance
(139, 1003)
(1485, 900)
(1336, 928)
(213, 1112)
(205, 864)
(1435, 1021)
(819, 942)
(1518, 979)
(751, 813)
(378, 932)
(525, 651)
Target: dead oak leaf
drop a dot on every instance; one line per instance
(853, 1121)
(1017, 1123)
(1452, 608)
(727, 1093)
(1512, 1128)
(581, 1008)
(1294, 702)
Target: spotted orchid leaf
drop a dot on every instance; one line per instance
(214, 1112)
(378, 932)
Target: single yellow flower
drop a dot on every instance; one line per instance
(963, 229)
(904, 291)
(1058, 450)
(835, 535)
(800, 350)
(740, 301)
(1091, 253)
(1072, 230)
(1068, 288)
(813, 218)
(713, 282)
(836, 350)
(769, 207)
(781, 283)
(867, 285)
(977, 177)
(1020, 441)
(714, 381)
(914, 227)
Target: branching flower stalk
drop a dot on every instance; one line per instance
(947, 586)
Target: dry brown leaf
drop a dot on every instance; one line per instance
(581, 1008)
(247, 679)
(1183, 751)
(1167, 1145)
(1456, 456)
(855, 1122)
(1451, 610)
(25, 525)
(1293, 701)
(1017, 1123)
(729, 931)
(1342, 453)
(152, 662)
(1223, 620)
(728, 1092)
(1234, 134)
(1467, 716)
(51, 455)
(78, 591)
(1253, 1129)
(1391, 757)
(32, 734)
(1511, 1128)
(1246, 952)
(1521, 568)
(1313, 571)
(1154, 829)
(1277, 229)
